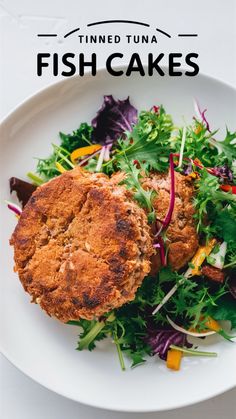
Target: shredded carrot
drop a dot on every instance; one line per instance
(60, 167)
(84, 151)
(174, 359)
(200, 256)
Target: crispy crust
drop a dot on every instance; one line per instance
(82, 246)
(182, 239)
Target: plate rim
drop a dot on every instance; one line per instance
(100, 70)
(117, 408)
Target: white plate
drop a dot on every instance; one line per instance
(42, 347)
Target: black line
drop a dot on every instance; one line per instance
(187, 34)
(70, 33)
(163, 32)
(46, 34)
(118, 21)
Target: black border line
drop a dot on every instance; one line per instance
(103, 22)
(187, 34)
(46, 34)
(163, 32)
(71, 32)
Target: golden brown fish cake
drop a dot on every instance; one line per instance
(182, 238)
(82, 246)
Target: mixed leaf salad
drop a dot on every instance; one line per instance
(171, 306)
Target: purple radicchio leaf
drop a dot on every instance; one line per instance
(112, 120)
(160, 341)
(23, 189)
(223, 172)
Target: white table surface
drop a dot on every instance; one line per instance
(20, 21)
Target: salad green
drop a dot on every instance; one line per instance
(139, 144)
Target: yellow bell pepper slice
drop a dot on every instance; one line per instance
(174, 359)
(212, 324)
(84, 151)
(198, 129)
(201, 255)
